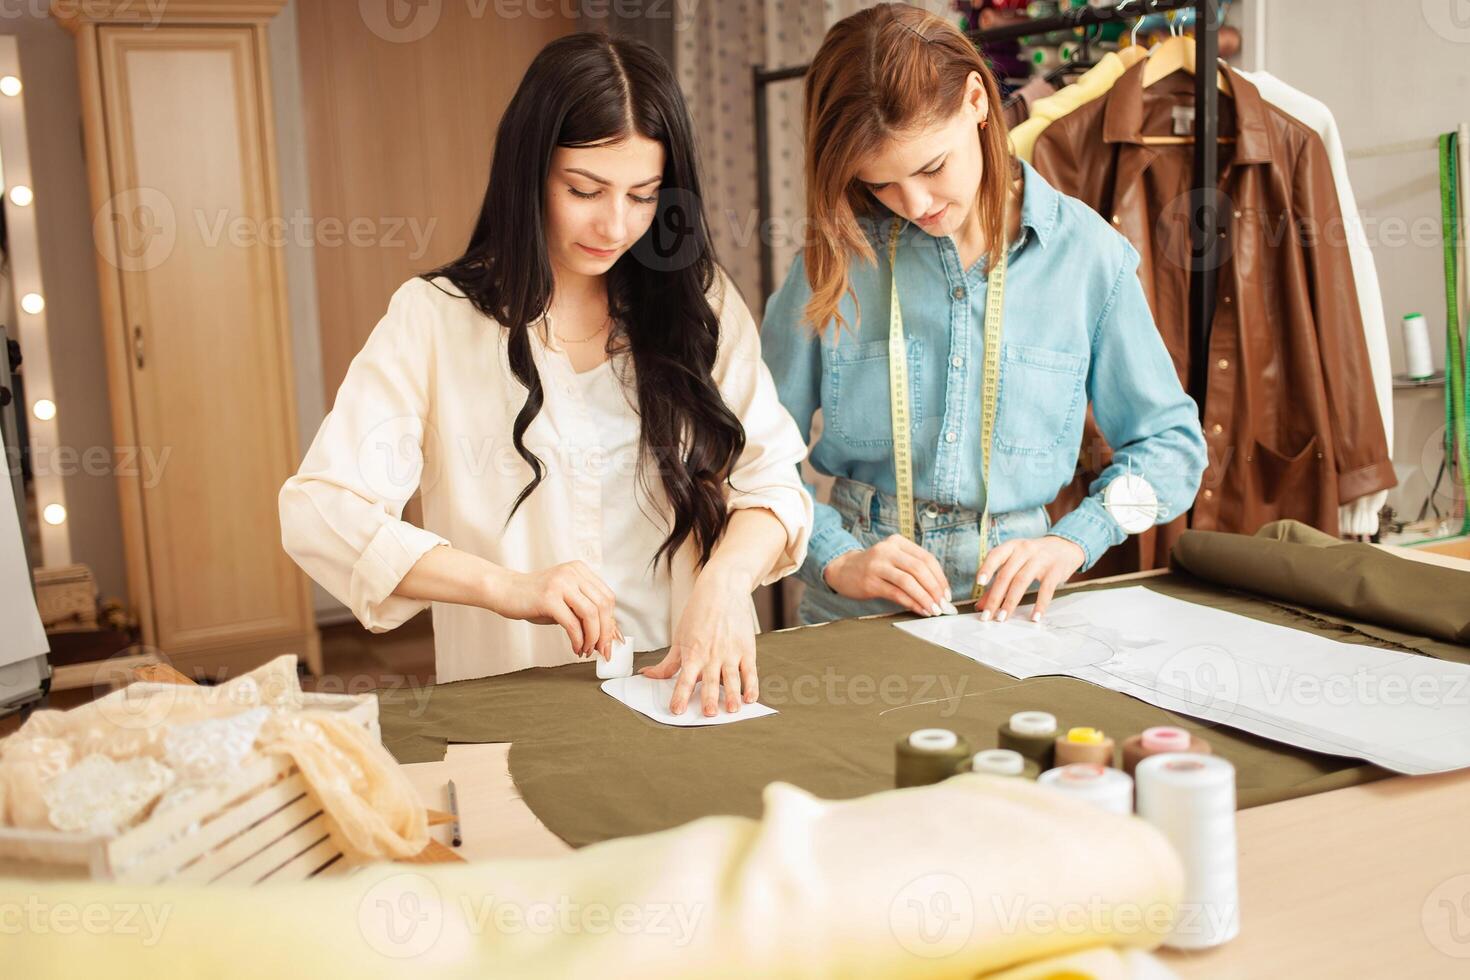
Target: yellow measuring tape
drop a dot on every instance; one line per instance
(898, 392)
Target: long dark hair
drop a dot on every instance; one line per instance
(584, 90)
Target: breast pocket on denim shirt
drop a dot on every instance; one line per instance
(857, 406)
(1041, 398)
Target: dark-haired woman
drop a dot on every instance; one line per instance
(581, 400)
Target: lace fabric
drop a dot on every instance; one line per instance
(105, 766)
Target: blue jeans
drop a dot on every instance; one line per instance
(950, 534)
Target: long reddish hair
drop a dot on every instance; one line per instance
(882, 72)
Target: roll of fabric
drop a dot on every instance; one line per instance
(1294, 563)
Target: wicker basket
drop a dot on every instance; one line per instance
(66, 597)
(266, 825)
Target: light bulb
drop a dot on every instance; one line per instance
(54, 513)
(44, 409)
(9, 85)
(21, 196)
(32, 303)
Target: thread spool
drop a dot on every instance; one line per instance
(1084, 745)
(1033, 734)
(928, 755)
(1163, 738)
(621, 662)
(1004, 762)
(1191, 799)
(1099, 785)
(1043, 57)
(1416, 347)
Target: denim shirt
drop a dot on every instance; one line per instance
(1076, 329)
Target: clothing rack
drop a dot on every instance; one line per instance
(1205, 221)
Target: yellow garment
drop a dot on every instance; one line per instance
(1092, 84)
(968, 877)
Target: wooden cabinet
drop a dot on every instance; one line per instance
(181, 158)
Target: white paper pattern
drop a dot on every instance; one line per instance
(1402, 711)
(651, 697)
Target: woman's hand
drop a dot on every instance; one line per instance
(1013, 565)
(570, 595)
(895, 569)
(714, 642)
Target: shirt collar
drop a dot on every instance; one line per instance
(1040, 204)
(1123, 115)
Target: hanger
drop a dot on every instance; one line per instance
(1173, 54)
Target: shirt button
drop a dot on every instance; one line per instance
(1237, 214)
(950, 437)
(959, 292)
(1217, 428)
(1226, 298)
(1222, 364)
(957, 361)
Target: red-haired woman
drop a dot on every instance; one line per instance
(922, 223)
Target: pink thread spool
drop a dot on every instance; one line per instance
(1163, 738)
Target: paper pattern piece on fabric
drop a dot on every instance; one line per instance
(1403, 712)
(651, 697)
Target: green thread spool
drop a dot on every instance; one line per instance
(1004, 762)
(1033, 734)
(927, 756)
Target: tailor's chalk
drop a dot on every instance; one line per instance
(621, 662)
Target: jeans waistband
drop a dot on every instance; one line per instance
(867, 506)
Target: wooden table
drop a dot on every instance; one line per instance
(1367, 881)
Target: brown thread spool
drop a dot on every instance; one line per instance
(1161, 738)
(1031, 733)
(1002, 762)
(927, 756)
(1084, 745)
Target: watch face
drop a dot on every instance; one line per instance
(1132, 502)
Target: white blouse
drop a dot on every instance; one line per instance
(429, 403)
(633, 533)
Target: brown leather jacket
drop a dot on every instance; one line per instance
(1290, 415)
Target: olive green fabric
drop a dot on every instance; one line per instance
(1395, 599)
(592, 769)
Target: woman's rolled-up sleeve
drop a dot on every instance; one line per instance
(766, 474)
(1142, 411)
(341, 514)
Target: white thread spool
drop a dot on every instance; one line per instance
(1191, 799)
(998, 762)
(1036, 723)
(1416, 347)
(934, 739)
(1102, 786)
(621, 662)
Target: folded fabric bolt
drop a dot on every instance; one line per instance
(1294, 563)
(899, 883)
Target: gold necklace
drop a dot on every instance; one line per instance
(592, 336)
